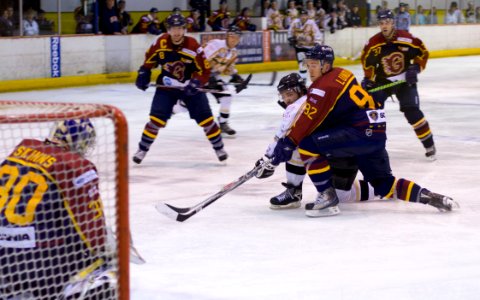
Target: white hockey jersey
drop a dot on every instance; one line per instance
(306, 35)
(221, 58)
(289, 117)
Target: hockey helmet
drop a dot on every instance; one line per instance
(385, 14)
(292, 82)
(175, 20)
(78, 134)
(303, 12)
(322, 53)
(234, 29)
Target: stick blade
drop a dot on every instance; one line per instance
(174, 213)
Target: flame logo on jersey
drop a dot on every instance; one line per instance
(177, 69)
(393, 64)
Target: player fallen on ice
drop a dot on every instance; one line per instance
(340, 119)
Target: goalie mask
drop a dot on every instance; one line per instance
(77, 134)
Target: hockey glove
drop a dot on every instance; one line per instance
(283, 151)
(240, 83)
(411, 74)
(267, 169)
(192, 87)
(292, 41)
(143, 78)
(367, 84)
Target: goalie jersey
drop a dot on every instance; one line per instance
(306, 35)
(221, 58)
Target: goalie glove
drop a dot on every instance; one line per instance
(267, 169)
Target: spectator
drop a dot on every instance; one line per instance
(477, 13)
(419, 18)
(109, 19)
(291, 14)
(384, 5)
(30, 26)
(333, 23)
(203, 7)
(84, 17)
(454, 15)
(470, 13)
(45, 25)
(402, 19)
(148, 23)
(6, 25)
(265, 7)
(220, 19)
(242, 21)
(432, 17)
(312, 11)
(274, 17)
(124, 17)
(355, 19)
(193, 22)
(321, 19)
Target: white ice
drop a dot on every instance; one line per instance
(238, 248)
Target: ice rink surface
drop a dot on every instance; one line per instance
(238, 248)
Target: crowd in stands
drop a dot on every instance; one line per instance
(329, 15)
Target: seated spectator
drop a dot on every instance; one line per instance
(203, 7)
(220, 19)
(312, 11)
(291, 14)
(84, 17)
(321, 19)
(402, 19)
(30, 26)
(45, 25)
(333, 22)
(148, 23)
(6, 25)
(194, 23)
(109, 20)
(432, 16)
(454, 15)
(242, 21)
(355, 19)
(265, 7)
(419, 18)
(124, 17)
(274, 17)
(470, 13)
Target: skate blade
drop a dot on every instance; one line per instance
(326, 212)
(288, 206)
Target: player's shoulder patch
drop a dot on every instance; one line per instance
(318, 92)
(85, 178)
(405, 39)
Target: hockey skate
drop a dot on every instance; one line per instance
(430, 153)
(225, 128)
(139, 156)
(290, 198)
(442, 203)
(221, 154)
(325, 205)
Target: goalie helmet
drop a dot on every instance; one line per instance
(385, 14)
(293, 82)
(77, 134)
(321, 52)
(175, 20)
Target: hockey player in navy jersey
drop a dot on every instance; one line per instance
(393, 55)
(340, 119)
(293, 92)
(52, 225)
(185, 68)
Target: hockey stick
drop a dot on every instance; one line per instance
(199, 89)
(271, 83)
(181, 214)
(386, 86)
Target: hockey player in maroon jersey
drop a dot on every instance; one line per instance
(340, 119)
(185, 68)
(52, 225)
(393, 55)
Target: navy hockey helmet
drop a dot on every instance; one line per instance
(78, 134)
(385, 14)
(175, 20)
(293, 82)
(234, 29)
(321, 52)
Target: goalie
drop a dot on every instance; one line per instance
(53, 241)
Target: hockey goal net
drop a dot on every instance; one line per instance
(64, 231)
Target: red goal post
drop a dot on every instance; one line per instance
(21, 120)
